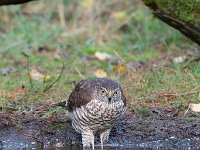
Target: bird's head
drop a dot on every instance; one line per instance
(108, 91)
(109, 95)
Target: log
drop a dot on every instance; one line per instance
(11, 2)
(183, 15)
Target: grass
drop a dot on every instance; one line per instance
(126, 31)
(172, 86)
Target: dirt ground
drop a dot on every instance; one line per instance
(156, 131)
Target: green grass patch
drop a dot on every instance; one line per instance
(135, 36)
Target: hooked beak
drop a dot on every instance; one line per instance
(109, 96)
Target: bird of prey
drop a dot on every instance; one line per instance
(94, 105)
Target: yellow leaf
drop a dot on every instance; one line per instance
(120, 68)
(120, 15)
(87, 4)
(100, 73)
(47, 77)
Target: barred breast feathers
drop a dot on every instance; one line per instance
(95, 115)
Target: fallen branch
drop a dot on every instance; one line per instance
(11, 2)
(185, 19)
(52, 84)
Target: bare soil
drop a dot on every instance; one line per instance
(156, 131)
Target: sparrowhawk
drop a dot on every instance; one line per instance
(94, 105)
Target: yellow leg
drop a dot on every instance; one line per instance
(93, 143)
(104, 136)
(101, 138)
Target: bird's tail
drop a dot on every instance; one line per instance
(62, 104)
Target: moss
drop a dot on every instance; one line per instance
(186, 10)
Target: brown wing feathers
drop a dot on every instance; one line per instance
(80, 96)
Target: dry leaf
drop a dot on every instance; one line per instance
(120, 68)
(179, 59)
(194, 107)
(36, 75)
(100, 73)
(102, 56)
(14, 93)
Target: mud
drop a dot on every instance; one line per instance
(130, 132)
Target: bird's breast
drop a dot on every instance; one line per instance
(96, 115)
(104, 110)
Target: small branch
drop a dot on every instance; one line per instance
(118, 55)
(28, 67)
(52, 84)
(10, 2)
(79, 73)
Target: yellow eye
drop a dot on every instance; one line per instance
(103, 92)
(115, 93)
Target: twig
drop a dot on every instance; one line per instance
(28, 67)
(79, 73)
(52, 84)
(187, 110)
(117, 54)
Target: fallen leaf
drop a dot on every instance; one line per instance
(102, 56)
(36, 75)
(120, 68)
(87, 4)
(179, 59)
(120, 15)
(13, 93)
(100, 73)
(194, 107)
(47, 77)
